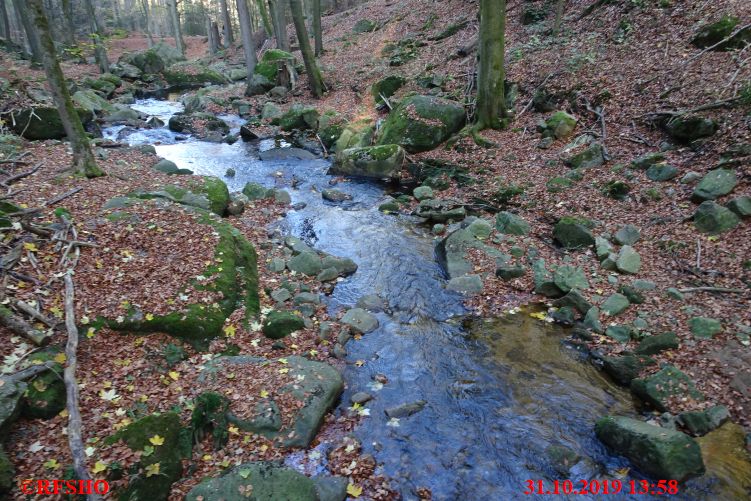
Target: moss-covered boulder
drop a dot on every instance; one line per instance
(658, 343)
(624, 369)
(190, 73)
(690, 128)
(148, 61)
(421, 123)
(659, 452)
(152, 476)
(45, 395)
(586, 157)
(258, 85)
(232, 278)
(714, 184)
(660, 388)
(168, 53)
(279, 324)
(268, 65)
(300, 117)
(199, 123)
(209, 417)
(364, 26)
(268, 481)
(208, 193)
(356, 134)
(387, 87)
(713, 33)
(313, 386)
(560, 125)
(10, 403)
(255, 191)
(713, 218)
(377, 162)
(43, 122)
(573, 232)
(90, 101)
(171, 168)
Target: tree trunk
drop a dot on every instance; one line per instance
(229, 39)
(491, 105)
(116, 12)
(70, 28)
(100, 53)
(5, 21)
(147, 20)
(317, 34)
(311, 68)
(176, 30)
(265, 17)
(280, 24)
(28, 28)
(83, 158)
(247, 36)
(558, 16)
(213, 36)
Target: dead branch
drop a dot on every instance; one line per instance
(30, 372)
(22, 327)
(724, 290)
(32, 312)
(62, 196)
(21, 175)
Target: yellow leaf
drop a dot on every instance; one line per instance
(148, 450)
(149, 317)
(99, 467)
(540, 315)
(52, 464)
(206, 457)
(156, 440)
(90, 333)
(225, 463)
(63, 413)
(234, 430)
(264, 448)
(30, 246)
(174, 375)
(57, 312)
(282, 360)
(283, 371)
(360, 363)
(152, 469)
(354, 490)
(264, 394)
(229, 330)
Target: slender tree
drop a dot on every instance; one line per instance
(280, 24)
(229, 39)
(83, 158)
(491, 107)
(311, 68)
(145, 8)
(317, 33)
(264, 11)
(70, 28)
(5, 32)
(32, 38)
(116, 13)
(559, 7)
(176, 29)
(246, 31)
(97, 35)
(213, 34)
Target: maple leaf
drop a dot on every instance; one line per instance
(156, 440)
(354, 490)
(109, 395)
(51, 464)
(229, 330)
(264, 394)
(174, 375)
(152, 469)
(149, 316)
(234, 430)
(30, 246)
(99, 467)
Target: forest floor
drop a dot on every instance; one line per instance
(592, 60)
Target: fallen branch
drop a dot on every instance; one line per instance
(75, 439)
(63, 196)
(21, 175)
(30, 372)
(534, 92)
(724, 290)
(22, 327)
(32, 312)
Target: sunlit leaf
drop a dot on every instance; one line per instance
(354, 490)
(156, 440)
(152, 469)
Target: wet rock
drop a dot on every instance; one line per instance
(308, 263)
(440, 211)
(628, 260)
(700, 423)
(562, 459)
(471, 284)
(592, 319)
(655, 344)
(669, 383)
(574, 299)
(511, 224)
(361, 397)
(573, 232)
(658, 452)
(360, 320)
(327, 275)
(421, 123)
(559, 126)
(406, 410)
(615, 304)
(285, 155)
(704, 328)
(168, 167)
(626, 368)
(389, 207)
(372, 302)
(335, 196)
(715, 184)
(714, 219)
(279, 324)
(377, 162)
(621, 333)
(298, 117)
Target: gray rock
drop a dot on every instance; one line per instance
(615, 304)
(308, 263)
(568, 278)
(674, 293)
(372, 302)
(573, 233)
(441, 211)
(700, 423)
(627, 235)
(603, 248)
(508, 272)
(360, 397)
(277, 265)
(628, 260)
(511, 224)
(335, 196)
(466, 283)
(704, 328)
(327, 275)
(714, 219)
(480, 228)
(360, 320)
(621, 333)
(10, 403)
(662, 172)
(285, 155)
(714, 184)
(690, 177)
(281, 295)
(307, 297)
(405, 410)
(741, 206)
(379, 162)
(592, 319)
(423, 193)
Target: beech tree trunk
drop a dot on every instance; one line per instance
(83, 159)
(317, 34)
(246, 31)
(229, 38)
(176, 29)
(311, 68)
(5, 21)
(147, 20)
(100, 53)
(213, 32)
(491, 107)
(280, 24)
(116, 12)
(560, 5)
(32, 38)
(70, 28)
(264, 11)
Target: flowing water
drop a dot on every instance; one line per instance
(505, 399)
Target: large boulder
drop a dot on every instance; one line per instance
(356, 134)
(559, 126)
(377, 162)
(147, 61)
(714, 184)
(208, 193)
(269, 481)
(45, 396)
(257, 85)
(437, 210)
(714, 219)
(659, 452)
(268, 65)
(92, 101)
(314, 388)
(299, 117)
(573, 232)
(169, 54)
(199, 122)
(42, 122)
(11, 393)
(190, 74)
(690, 128)
(421, 123)
(387, 87)
(667, 384)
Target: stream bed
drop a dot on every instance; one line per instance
(506, 400)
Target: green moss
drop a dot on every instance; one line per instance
(218, 194)
(714, 33)
(387, 87)
(210, 417)
(44, 123)
(45, 395)
(7, 473)
(420, 123)
(190, 74)
(268, 67)
(356, 135)
(279, 324)
(298, 117)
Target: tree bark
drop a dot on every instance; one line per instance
(317, 33)
(70, 28)
(100, 53)
(147, 20)
(116, 12)
(311, 68)
(83, 158)
(264, 11)
(560, 5)
(246, 31)
(280, 24)
(176, 29)
(491, 107)
(213, 33)
(229, 38)
(5, 33)
(32, 38)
